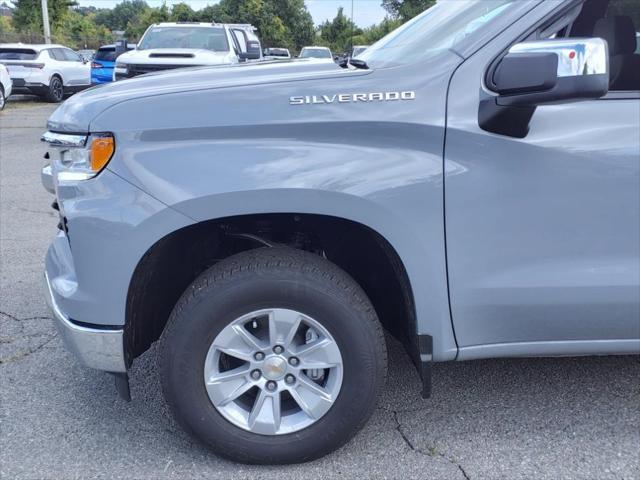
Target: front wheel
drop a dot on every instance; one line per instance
(273, 356)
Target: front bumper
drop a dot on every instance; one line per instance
(98, 348)
(106, 227)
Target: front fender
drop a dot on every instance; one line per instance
(395, 192)
(420, 250)
(225, 152)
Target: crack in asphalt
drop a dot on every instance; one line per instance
(25, 353)
(19, 127)
(431, 451)
(8, 315)
(48, 213)
(25, 319)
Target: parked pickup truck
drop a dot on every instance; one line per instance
(469, 184)
(171, 45)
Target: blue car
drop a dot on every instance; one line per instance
(103, 63)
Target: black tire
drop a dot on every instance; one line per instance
(273, 278)
(3, 99)
(55, 93)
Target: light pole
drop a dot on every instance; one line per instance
(352, 27)
(45, 22)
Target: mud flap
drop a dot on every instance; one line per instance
(425, 347)
(122, 385)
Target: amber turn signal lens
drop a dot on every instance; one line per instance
(102, 149)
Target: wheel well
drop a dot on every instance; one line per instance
(56, 75)
(169, 267)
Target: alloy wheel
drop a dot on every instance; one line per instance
(57, 89)
(273, 372)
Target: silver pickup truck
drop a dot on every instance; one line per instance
(470, 184)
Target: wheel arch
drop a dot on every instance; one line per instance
(173, 262)
(56, 74)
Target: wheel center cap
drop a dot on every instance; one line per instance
(275, 368)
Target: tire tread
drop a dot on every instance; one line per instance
(282, 258)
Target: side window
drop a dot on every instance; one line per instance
(617, 22)
(630, 9)
(57, 54)
(240, 39)
(71, 56)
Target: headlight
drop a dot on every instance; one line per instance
(121, 66)
(79, 157)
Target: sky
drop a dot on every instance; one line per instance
(365, 12)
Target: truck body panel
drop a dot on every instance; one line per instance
(543, 232)
(378, 163)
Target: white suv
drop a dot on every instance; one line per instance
(5, 85)
(50, 71)
(167, 46)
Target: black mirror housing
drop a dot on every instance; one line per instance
(520, 73)
(254, 51)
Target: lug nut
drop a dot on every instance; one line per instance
(271, 386)
(290, 379)
(293, 361)
(278, 349)
(256, 374)
(259, 356)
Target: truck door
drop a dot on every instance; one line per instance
(543, 232)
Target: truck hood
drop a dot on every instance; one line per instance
(76, 114)
(175, 56)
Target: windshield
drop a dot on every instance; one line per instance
(358, 50)
(315, 53)
(441, 27)
(17, 54)
(208, 38)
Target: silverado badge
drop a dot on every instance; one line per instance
(352, 98)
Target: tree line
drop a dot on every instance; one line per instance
(280, 23)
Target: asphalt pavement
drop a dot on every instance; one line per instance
(564, 418)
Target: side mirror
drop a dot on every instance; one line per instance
(540, 73)
(254, 52)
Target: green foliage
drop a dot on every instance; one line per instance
(407, 9)
(27, 14)
(79, 31)
(337, 34)
(6, 26)
(137, 26)
(119, 16)
(181, 12)
(374, 33)
(280, 23)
